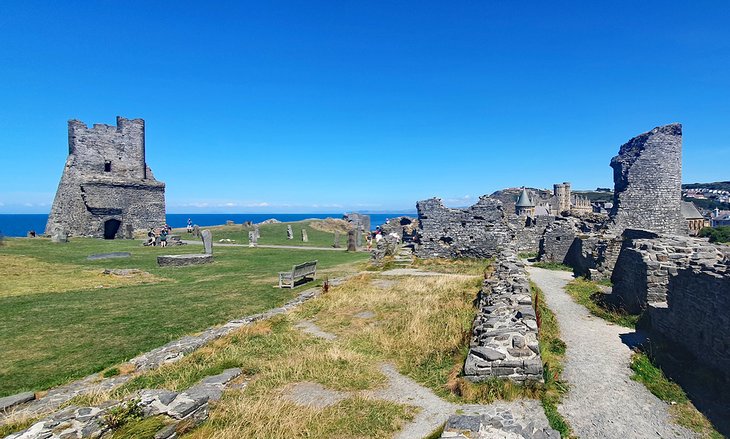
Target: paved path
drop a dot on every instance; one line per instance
(603, 402)
(293, 247)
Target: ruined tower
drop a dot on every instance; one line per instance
(106, 189)
(647, 177)
(561, 191)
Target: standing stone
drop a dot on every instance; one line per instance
(128, 232)
(252, 242)
(337, 239)
(59, 236)
(305, 238)
(289, 232)
(196, 231)
(207, 241)
(647, 177)
(256, 231)
(351, 245)
(358, 240)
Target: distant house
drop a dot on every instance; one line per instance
(695, 220)
(720, 218)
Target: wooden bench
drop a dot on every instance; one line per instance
(302, 271)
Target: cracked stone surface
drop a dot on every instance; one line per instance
(313, 395)
(312, 329)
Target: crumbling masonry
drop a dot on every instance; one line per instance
(107, 190)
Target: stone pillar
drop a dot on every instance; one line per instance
(351, 245)
(196, 231)
(252, 241)
(337, 240)
(305, 238)
(59, 236)
(289, 232)
(207, 241)
(257, 232)
(128, 232)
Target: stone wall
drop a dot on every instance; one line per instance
(477, 231)
(106, 186)
(683, 284)
(504, 334)
(647, 175)
(528, 232)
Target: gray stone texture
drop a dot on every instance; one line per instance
(184, 260)
(647, 176)
(113, 255)
(207, 238)
(106, 183)
(683, 284)
(504, 334)
(477, 231)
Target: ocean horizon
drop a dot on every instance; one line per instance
(18, 225)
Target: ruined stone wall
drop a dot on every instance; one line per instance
(647, 175)
(504, 334)
(477, 232)
(528, 232)
(684, 285)
(106, 179)
(405, 227)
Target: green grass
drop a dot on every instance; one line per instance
(588, 294)
(552, 266)
(274, 234)
(49, 338)
(552, 352)
(682, 409)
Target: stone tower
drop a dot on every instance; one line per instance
(524, 205)
(647, 178)
(561, 191)
(106, 189)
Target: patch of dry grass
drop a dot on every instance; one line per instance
(468, 266)
(421, 324)
(21, 275)
(331, 225)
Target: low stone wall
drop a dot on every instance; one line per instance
(683, 284)
(504, 335)
(475, 232)
(184, 260)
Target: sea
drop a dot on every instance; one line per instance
(13, 225)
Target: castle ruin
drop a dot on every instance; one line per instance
(107, 190)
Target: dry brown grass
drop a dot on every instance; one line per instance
(468, 266)
(331, 225)
(21, 275)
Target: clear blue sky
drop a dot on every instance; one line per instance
(297, 106)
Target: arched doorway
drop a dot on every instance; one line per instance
(111, 227)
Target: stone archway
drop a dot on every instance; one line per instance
(111, 227)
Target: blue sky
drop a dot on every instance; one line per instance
(329, 106)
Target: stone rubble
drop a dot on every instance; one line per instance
(89, 422)
(504, 334)
(496, 422)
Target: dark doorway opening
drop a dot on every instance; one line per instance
(107, 166)
(111, 227)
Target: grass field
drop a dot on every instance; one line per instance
(61, 319)
(274, 234)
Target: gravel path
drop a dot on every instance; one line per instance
(290, 247)
(603, 402)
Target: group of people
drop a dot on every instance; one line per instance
(377, 236)
(158, 236)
